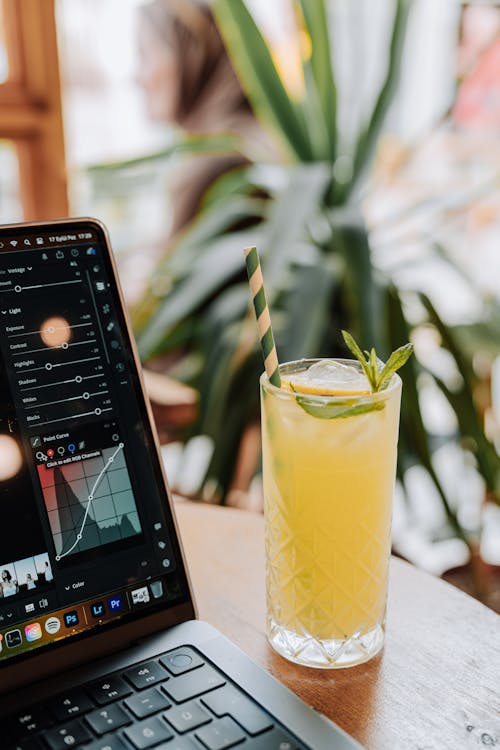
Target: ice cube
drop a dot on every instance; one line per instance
(328, 377)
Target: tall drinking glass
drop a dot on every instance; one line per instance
(329, 469)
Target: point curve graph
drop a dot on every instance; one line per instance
(90, 503)
(90, 499)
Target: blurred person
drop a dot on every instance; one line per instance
(9, 584)
(189, 82)
(48, 573)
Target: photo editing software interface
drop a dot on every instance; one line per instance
(84, 539)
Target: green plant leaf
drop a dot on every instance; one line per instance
(378, 377)
(321, 91)
(362, 287)
(413, 435)
(216, 143)
(183, 257)
(463, 404)
(299, 335)
(253, 61)
(354, 348)
(338, 410)
(398, 358)
(368, 136)
(290, 213)
(220, 262)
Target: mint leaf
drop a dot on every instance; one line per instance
(374, 363)
(378, 378)
(338, 410)
(352, 345)
(398, 358)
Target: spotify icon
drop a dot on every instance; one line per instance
(52, 625)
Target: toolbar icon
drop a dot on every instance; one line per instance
(156, 589)
(59, 255)
(39, 240)
(45, 256)
(13, 243)
(97, 609)
(13, 638)
(71, 618)
(140, 596)
(115, 603)
(27, 243)
(33, 632)
(52, 625)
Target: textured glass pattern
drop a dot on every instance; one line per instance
(328, 486)
(303, 591)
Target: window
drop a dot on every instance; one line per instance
(31, 135)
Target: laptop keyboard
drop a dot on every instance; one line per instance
(178, 701)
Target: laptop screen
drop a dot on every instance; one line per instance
(86, 540)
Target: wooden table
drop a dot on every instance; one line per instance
(436, 685)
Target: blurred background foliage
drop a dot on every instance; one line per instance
(375, 205)
(306, 217)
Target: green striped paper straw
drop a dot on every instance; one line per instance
(262, 314)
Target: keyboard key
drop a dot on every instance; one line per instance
(106, 719)
(192, 684)
(186, 717)
(67, 735)
(148, 733)
(144, 675)
(220, 734)
(276, 739)
(179, 743)
(70, 704)
(149, 702)
(27, 722)
(31, 743)
(181, 660)
(112, 742)
(229, 700)
(108, 689)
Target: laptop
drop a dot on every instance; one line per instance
(100, 647)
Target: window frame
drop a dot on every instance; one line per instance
(30, 107)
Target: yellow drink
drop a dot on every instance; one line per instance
(329, 468)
